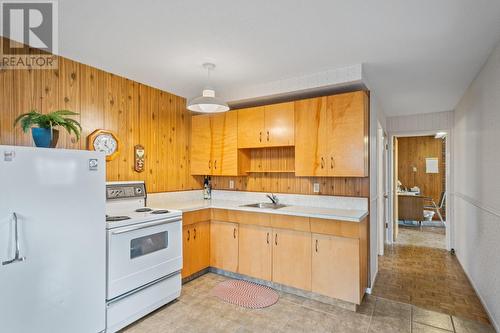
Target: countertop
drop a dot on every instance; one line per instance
(350, 215)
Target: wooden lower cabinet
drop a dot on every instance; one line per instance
(224, 245)
(255, 251)
(292, 258)
(336, 267)
(195, 247)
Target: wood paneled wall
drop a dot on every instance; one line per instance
(412, 152)
(139, 114)
(282, 158)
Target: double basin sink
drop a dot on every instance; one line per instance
(265, 205)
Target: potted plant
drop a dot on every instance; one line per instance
(42, 126)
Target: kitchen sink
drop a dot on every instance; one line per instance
(266, 205)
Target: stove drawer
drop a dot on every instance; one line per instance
(131, 307)
(142, 253)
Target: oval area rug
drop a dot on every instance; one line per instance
(246, 294)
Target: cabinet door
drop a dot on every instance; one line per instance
(255, 251)
(348, 134)
(201, 145)
(224, 245)
(292, 258)
(187, 252)
(279, 125)
(251, 127)
(225, 143)
(335, 267)
(201, 249)
(311, 138)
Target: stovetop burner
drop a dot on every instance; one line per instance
(116, 218)
(143, 210)
(160, 211)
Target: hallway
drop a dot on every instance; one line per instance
(429, 278)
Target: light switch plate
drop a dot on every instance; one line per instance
(231, 184)
(316, 187)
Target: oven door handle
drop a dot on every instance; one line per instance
(144, 226)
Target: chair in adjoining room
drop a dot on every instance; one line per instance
(430, 206)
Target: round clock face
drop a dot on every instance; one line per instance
(105, 143)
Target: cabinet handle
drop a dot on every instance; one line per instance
(234, 233)
(316, 245)
(210, 164)
(267, 238)
(194, 236)
(260, 136)
(322, 163)
(331, 162)
(189, 235)
(267, 136)
(276, 239)
(215, 165)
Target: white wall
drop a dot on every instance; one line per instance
(477, 184)
(420, 122)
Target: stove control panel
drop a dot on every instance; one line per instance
(125, 191)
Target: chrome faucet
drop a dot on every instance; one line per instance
(274, 199)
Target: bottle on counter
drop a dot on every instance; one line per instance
(209, 188)
(206, 190)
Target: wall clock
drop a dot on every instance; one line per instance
(104, 141)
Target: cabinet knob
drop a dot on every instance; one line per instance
(331, 162)
(267, 239)
(234, 233)
(194, 236)
(215, 165)
(267, 136)
(210, 164)
(316, 245)
(276, 239)
(260, 136)
(322, 163)
(189, 235)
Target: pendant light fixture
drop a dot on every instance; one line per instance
(207, 102)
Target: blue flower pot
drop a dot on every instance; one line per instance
(43, 137)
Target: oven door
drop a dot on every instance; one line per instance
(141, 253)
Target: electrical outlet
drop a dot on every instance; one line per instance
(414, 169)
(316, 187)
(231, 184)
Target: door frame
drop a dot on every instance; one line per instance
(448, 180)
(382, 183)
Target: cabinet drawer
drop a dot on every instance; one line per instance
(195, 216)
(335, 227)
(297, 223)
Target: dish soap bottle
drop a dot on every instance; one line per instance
(209, 188)
(206, 190)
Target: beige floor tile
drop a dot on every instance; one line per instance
(432, 318)
(468, 326)
(421, 328)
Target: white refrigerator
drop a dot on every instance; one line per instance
(52, 240)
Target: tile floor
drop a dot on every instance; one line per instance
(429, 278)
(429, 236)
(198, 311)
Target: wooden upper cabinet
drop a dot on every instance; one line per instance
(201, 145)
(279, 125)
(214, 148)
(348, 134)
(250, 127)
(331, 136)
(310, 137)
(266, 126)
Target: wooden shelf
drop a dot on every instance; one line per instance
(270, 171)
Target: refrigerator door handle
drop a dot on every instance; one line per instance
(17, 256)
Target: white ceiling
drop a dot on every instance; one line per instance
(418, 56)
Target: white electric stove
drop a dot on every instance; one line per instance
(144, 250)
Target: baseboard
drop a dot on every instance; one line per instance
(492, 319)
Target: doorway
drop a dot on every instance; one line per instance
(419, 190)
